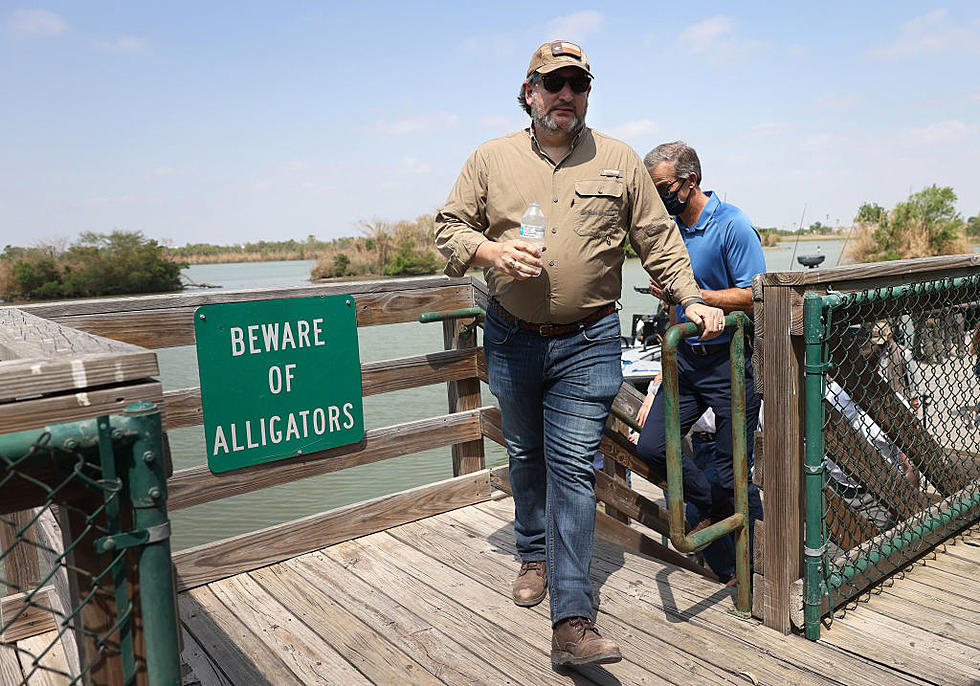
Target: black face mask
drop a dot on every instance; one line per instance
(673, 204)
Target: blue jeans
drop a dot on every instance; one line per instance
(720, 555)
(554, 396)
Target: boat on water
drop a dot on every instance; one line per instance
(640, 353)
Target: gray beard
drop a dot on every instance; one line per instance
(546, 124)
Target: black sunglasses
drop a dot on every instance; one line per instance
(553, 83)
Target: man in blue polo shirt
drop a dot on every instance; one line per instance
(726, 252)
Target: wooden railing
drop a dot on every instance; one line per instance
(779, 365)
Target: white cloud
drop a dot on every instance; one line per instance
(296, 165)
(122, 44)
(717, 39)
(949, 131)
(498, 124)
(632, 129)
(36, 23)
(935, 33)
(574, 26)
(420, 124)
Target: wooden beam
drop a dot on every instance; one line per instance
(70, 407)
(26, 336)
(197, 485)
(182, 406)
(167, 323)
(34, 377)
(464, 394)
(782, 453)
(34, 615)
(213, 561)
(20, 561)
(622, 499)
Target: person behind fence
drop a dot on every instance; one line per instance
(857, 497)
(552, 334)
(726, 253)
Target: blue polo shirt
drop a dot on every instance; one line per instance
(725, 250)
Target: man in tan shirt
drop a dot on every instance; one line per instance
(552, 337)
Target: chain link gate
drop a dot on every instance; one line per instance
(892, 432)
(71, 594)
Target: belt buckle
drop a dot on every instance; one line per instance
(699, 350)
(544, 330)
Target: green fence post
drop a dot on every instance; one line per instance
(813, 544)
(148, 490)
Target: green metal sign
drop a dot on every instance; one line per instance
(279, 378)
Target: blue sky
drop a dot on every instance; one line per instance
(228, 122)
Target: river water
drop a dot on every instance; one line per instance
(250, 511)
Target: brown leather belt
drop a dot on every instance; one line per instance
(549, 330)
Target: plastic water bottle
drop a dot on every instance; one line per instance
(533, 224)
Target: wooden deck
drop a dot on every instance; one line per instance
(428, 603)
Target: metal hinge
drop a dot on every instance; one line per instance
(131, 539)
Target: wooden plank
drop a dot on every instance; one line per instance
(487, 584)
(23, 618)
(490, 613)
(212, 561)
(194, 299)
(40, 412)
(689, 612)
(167, 327)
(10, 672)
(623, 499)
(319, 579)
(913, 651)
(38, 376)
(26, 336)
(922, 268)
(229, 643)
(20, 565)
(524, 661)
(198, 485)
(922, 615)
(305, 652)
(464, 394)
(51, 548)
(758, 459)
(490, 425)
(847, 527)
(203, 670)
(782, 452)
(52, 669)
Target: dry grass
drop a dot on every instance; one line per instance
(370, 253)
(913, 241)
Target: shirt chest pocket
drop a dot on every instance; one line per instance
(598, 209)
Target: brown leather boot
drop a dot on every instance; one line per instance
(575, 641)
(531, 584)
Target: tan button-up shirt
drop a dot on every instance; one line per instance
(593, 200)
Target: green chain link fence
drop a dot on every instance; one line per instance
(892, 432)
(104, 482)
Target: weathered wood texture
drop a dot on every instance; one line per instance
(464, 394)
(57, 409)
(168, 320)
(182, 407)
(782, 452)
(24, 617)
(20, 562)
(213, 561)
(428, 602)
(52, 547)
(197, 485)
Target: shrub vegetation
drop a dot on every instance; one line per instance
(924, 225)
(118, 263)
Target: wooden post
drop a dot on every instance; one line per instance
(464, 395)
(783, 455)
(20, 567)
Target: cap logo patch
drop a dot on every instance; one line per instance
(560, 47)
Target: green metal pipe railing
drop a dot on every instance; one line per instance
(130, 448)
(738, 523)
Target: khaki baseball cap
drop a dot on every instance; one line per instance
(557, 54)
